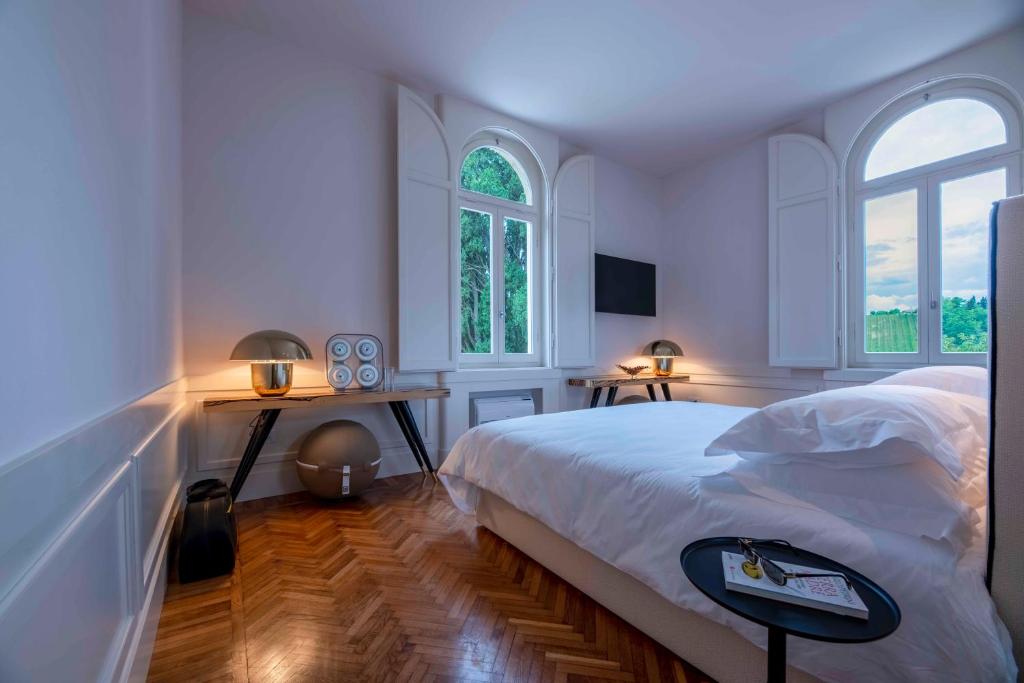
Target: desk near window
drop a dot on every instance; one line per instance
(613, 382)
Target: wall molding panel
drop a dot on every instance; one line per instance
(83, 561)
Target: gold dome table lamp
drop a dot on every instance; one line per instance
(271, 354)
(662, 352)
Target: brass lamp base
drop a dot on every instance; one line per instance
(271, 379)
(662, 366)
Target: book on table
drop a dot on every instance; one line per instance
(829, 593)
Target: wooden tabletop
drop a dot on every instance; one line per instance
(317, 398)
(624, 380)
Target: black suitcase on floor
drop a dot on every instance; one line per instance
(208, 536)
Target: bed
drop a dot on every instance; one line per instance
(606, 498)
(629, 486)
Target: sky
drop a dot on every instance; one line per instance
(934, 132)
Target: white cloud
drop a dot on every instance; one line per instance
(887, 303)
(890, 226)
(936, 131)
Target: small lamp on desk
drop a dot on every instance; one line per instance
(271, 353)
(662, 352)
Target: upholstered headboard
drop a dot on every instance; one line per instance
(1006, 461)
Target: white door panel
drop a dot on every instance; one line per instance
(427, 249)
(573, 260)
(803, 253)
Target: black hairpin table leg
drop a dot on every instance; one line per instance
(260, 431)
(664, 390)
(400, 419)
(413, 437)
(612, 391)
(650, 392)
(595, 397)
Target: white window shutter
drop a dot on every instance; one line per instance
(428, 254)
(803, 267)
(573, 263)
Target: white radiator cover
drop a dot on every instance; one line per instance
(492, 408)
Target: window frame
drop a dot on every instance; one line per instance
(500, 209)
(881, 124)
(926, 179)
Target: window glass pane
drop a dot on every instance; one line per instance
(491, 171)
(476, 281)
(890, 268)
(965, 207)
(517, 286)
(934, 132)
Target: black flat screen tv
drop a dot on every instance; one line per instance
(623, 286)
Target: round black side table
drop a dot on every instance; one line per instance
(702, 563)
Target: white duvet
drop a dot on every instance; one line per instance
(627, 485)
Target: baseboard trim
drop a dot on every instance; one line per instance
(140, 647)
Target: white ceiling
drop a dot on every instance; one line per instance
(652, 83)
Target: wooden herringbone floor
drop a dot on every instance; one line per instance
(397, 586)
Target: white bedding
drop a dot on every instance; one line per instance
(626, 484)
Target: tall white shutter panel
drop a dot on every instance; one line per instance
(573, 261)
(427, 251)
(803, 267)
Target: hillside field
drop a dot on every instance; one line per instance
(964, 328)
(892, 332)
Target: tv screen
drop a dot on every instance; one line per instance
(623, 286)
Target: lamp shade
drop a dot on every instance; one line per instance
(271, 346)
(662, 348)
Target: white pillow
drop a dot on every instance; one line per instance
(917, 498)
(962, 379)
(865, 426)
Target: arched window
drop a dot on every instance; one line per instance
(495, 172)
(924, 173)
(933, 132)
(500, 268)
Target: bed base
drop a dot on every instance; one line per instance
(713, 648)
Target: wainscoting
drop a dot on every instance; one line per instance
(83, 546)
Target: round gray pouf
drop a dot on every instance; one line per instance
(633, 398)
(332, 447)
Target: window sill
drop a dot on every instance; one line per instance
(499, 374)
(859, 374)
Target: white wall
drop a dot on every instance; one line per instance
(716, 224)
(716, 256)
(289, 222)
(90, 197)
(289, 212)
(629, 225)
(92, 457)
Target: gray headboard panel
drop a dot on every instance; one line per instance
(1006, 462)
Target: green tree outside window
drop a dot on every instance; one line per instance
(487, 171)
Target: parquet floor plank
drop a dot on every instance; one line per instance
(395, 586)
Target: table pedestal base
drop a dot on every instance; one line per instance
(776, 655)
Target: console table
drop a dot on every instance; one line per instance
(613, 382)
(270, 407)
